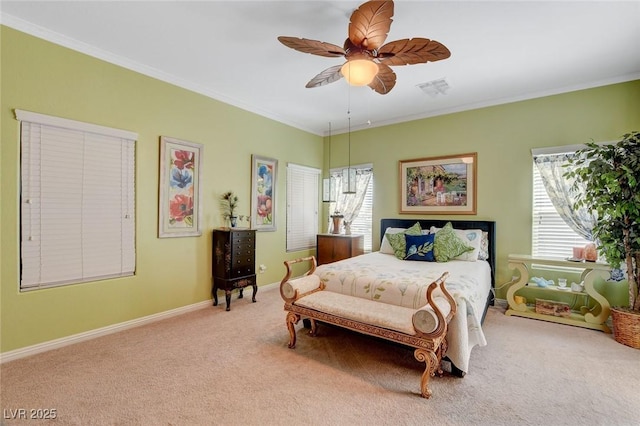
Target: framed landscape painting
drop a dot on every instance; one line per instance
(263, 193)
(439, 185)
(180, 195)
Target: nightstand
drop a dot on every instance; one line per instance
(334, 247)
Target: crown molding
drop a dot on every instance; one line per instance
(104, 55)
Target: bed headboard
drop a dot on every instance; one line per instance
(484, 225)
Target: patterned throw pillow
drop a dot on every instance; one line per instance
(385, 246)
(420, 247)
(448, 245)
(483, 253)
(471, 237)
(398, 243)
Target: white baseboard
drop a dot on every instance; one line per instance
(269, 286)
(98, 332)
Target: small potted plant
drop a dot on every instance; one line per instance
(610, 177)
(228, 204)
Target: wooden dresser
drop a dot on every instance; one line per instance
(234, 262)
(334, 247)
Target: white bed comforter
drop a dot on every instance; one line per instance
(384, 278)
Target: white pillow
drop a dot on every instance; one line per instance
(385, 246)
(471, 237)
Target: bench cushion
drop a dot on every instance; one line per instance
(392, 317)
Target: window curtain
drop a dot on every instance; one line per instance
(562, 194)
(349, 204)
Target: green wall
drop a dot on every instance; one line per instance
(503, 137)
(46, 78)
(171, 272)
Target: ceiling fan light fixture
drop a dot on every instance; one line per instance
(359, 72)
(368, 57)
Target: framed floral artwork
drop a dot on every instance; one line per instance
(439, 185)
(263, 193)
(180, 195)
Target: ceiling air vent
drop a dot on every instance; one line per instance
(435, 87)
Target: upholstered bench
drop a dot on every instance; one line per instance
(423, 329)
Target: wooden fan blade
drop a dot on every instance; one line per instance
(384, 81)
(314, 47)
(370, 24)
(325, 77)
(412, 51)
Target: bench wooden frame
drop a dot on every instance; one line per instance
(429, 347)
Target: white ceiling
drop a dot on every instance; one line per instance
(502, 51)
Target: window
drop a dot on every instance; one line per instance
(302, 207)
(77, 206)
(362, 224)
(551, 236)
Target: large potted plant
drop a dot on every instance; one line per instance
(609, 175)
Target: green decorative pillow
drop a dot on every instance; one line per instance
(448, 245)
(398, 242)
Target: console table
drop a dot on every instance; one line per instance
(593, 318)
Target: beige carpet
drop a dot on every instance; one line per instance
(234, 368)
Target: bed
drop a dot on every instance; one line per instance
(382, 277)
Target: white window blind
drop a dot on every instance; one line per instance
(551, 236)
(302, 206)
(77, 207)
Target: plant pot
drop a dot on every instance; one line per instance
(626, 326)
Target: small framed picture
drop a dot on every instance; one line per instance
(264, 172)
(180, 208)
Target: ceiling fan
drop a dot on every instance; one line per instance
(368, 60)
